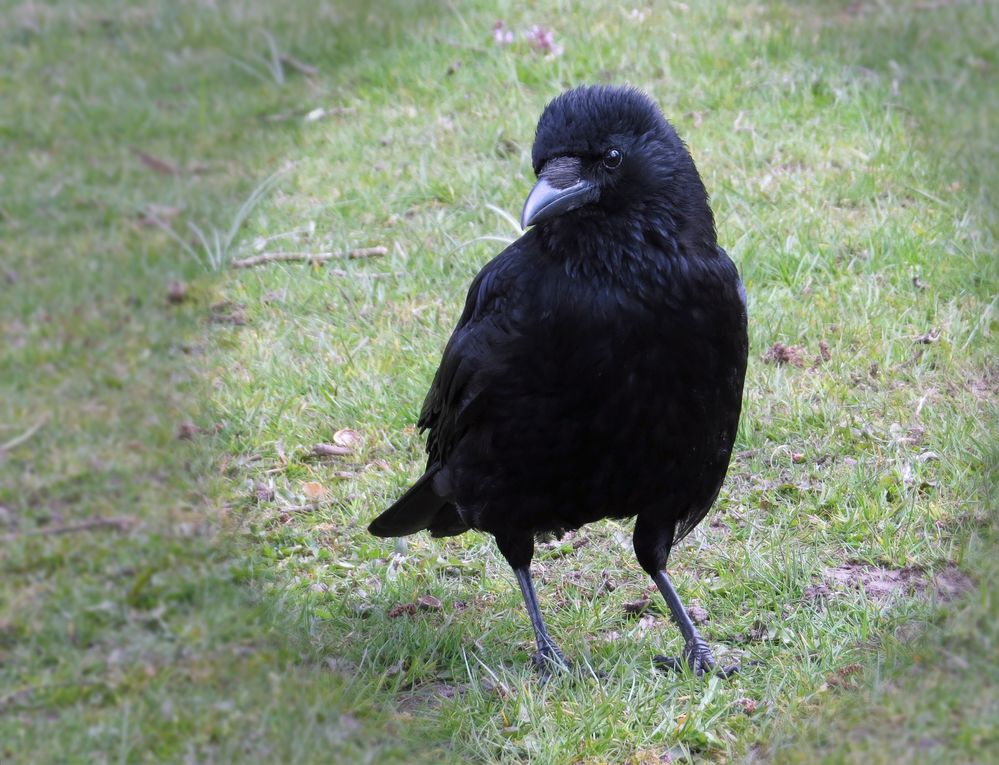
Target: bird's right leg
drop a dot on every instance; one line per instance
(549, 656)
(518, 551)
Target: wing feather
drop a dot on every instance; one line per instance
(468, 368)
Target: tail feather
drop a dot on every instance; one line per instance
(413, 511)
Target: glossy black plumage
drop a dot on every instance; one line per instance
(597, 368)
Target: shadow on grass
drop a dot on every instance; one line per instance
(124, 633)
(928, 697)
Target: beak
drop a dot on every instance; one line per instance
(559, 189)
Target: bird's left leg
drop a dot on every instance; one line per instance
(518, 551)
(696, 651)
(652, 545)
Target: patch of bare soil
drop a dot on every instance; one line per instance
(431, 695)
(781, 354)
(986, 386)
(884, 584)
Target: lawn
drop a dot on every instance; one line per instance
(185, 577)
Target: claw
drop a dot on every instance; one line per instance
(698, 658)
(549, 661)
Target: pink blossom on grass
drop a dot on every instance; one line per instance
(501, 34)
(542, 39)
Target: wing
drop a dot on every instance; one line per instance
(729, 299)
(472, 360)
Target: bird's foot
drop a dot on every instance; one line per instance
(550, 661)
(698, 658)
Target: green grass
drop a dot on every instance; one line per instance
(138, 646)
(850, 156)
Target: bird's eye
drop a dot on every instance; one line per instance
(612, 158)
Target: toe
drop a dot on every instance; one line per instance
(669, 663)
(550, 662)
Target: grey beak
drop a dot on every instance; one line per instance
(547, 201)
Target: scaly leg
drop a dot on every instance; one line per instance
(518, 549)
(696, 651)
(549, 656)
(653, 541)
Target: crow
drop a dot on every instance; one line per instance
(597, 368)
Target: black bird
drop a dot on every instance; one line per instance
(597, 368)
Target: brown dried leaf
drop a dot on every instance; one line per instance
(156, 164)
(347, 438)
(429, 603)
(636, 607)
(314, 490)
(607, 583)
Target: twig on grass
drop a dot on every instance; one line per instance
(18, 440)
(300, 66)
(331, 450)
(308, 257)
(120, 523)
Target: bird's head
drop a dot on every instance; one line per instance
(608, 151)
